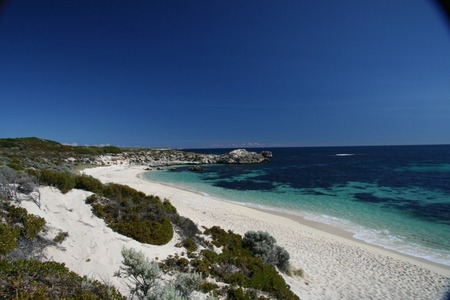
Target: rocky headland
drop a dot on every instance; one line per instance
(41, 154)
(159, 158)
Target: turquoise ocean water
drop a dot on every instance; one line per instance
(397, 197)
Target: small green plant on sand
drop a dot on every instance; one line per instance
(60, 237)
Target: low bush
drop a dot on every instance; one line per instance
(238, 266)
(64, 181)
(31, 279)
(187, 228)
(168, 207)
(141, 273)
(88, 183)
(144, 278)
(16, 166)
(94, 150)
(9, 237)
(190, 245)
(15, 214)
(228, 240)
(186, 283)
(175, 263)
(32, 226)
(91, 199)
(167, 292)
(132, 213)
(144, 230)
(60, 237)
(29, 224)
(207, 286)
(238, 294)
(263, 246)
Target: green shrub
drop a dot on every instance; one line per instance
(145, 231)
(16, 214)
(88, 183)
(175, 263)
(31, 279)
(94, 150)
(263, 246)
(132, 213)
(32, 225)
(16, 166)
(187, 227)
(228, 240)
(60, 237)
(91, 199)
(111, 149)
(8, 238)
(240, 267)
(119, 191)
(168, 207)
(190, 245)
(64, 181)
(207, 286)
(238, 294)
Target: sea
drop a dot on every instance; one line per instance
(396, 197)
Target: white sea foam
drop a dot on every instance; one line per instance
(345, 154)
(402, 245)
(385, 239)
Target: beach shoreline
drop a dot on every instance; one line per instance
(344, 234)
(336, 266)
(323, 228)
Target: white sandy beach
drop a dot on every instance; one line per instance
(335, 266)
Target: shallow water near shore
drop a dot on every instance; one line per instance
(397, 197)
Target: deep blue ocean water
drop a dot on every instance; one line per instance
(397, 197)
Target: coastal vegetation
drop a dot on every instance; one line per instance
(22, 276)
(21, 153)
(145, 282)
(32, 279)
(238, 266)
(243, 267)
(239, 272)
(133, 214)
(263, 246)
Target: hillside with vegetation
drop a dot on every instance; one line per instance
(22, 153)
(217, 264)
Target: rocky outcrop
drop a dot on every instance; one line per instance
(158, 158)
(242, 156)
(196, 168)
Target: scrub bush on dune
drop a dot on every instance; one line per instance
(263, 246)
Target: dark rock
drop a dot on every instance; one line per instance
(267, 154)
(196, 168)
(242, 156)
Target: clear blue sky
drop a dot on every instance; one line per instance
(225, 73)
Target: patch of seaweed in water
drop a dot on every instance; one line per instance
(246, 185)
(371, 198)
